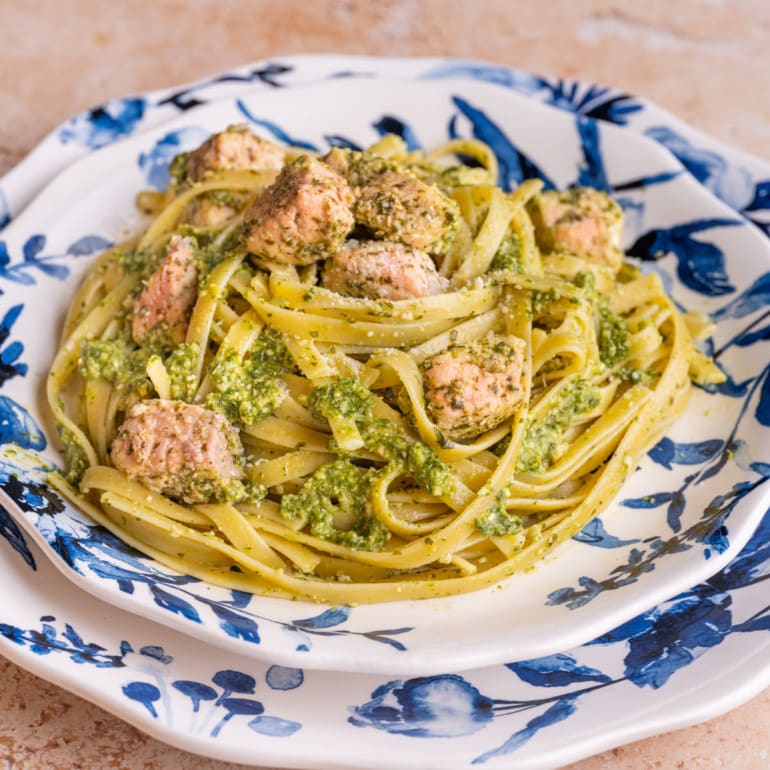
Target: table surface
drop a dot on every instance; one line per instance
(708, 61)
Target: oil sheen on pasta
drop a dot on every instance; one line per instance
(365, 376)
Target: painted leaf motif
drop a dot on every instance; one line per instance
(32, 247)
(284, 678)
(175, 604)
(327, 619)
(555, 671)
(442, 706)
(595, 534)
(761, 623)
(389, 124)
(730, 182)
(554, 714)
(335, 140)
(669, 453)
(18, 426)
(11, 532)
(648, 501)
(234, 681)
(752, 299)
(88, 244)
(104, 124)
(235, 624)
(156, 653)
(195, 691)
(275, 726)
(591, 172)
(515, 167)
(242, 706)
(277, 132)
(700, 264)
(676, 637)
(145, 693)
(155, 162)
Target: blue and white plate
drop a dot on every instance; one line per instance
(694, 211)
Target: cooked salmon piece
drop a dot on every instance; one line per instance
(303, 217)
(580, 221)
(471, 388)
(236, 148)
(382, 270)
(165, 304)
(180, 450)
(397, 206)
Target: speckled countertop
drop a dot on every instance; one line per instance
(706, 60)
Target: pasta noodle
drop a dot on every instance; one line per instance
(379, 445)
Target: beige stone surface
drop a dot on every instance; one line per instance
(706, 60)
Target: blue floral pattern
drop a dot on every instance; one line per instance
(224, 700)
(657, 645)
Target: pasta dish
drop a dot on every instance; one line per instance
(362, 377)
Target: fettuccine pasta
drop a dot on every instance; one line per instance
(364, 377)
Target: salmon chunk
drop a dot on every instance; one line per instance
(181, 450)
(473, 387)
(166, 302)
(382, 270)
(580, 221)
(236, 148)
(303, 216)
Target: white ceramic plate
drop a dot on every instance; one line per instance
(684, 514)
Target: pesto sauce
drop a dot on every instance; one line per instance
(349, 399)
(496, 521)
(542, 439)
(508, 255)
(120, 362)
(76, 461)
(248, 389)
(181, 369)
(338, 488)
(613, 336)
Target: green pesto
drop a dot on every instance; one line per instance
(249, 389)
(209, 250)
(118, 362)
(360, 168)
(541, 300)
(542, 439)
(105, 360)
(338, 489)
(142, 261)
(181, 368)
(226, 198)
(178, 167)
(201, 485)
(349, 399)
(508, 255)
(75, 459)
(496, 521)
(613, 336)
